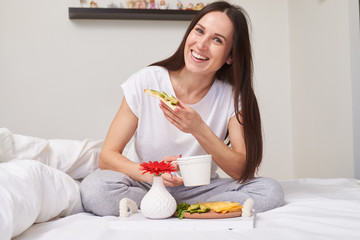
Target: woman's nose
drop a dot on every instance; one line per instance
(203, 43)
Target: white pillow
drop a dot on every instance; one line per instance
(31, 192)
(76, 158)
(13, 146)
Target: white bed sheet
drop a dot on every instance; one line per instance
(315, 209)
(38, 181)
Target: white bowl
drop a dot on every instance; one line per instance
(195, 170)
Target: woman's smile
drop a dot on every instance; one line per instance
(198, 56)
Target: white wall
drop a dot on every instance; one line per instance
(355, 76)
(60, 78)
(321, 88)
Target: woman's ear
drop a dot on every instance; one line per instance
(229, 60)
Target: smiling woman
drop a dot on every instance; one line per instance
(210, 43)
(210, 75)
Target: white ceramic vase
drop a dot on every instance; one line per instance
(158, 202)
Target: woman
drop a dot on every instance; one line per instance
(211, 75)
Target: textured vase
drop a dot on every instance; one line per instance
(158, 202)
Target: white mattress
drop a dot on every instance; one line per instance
(315, 209)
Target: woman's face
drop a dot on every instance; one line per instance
(209, 43)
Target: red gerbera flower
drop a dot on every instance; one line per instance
(157, 168)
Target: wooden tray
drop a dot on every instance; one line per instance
(211, 215)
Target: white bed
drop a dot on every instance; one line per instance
(40, 199)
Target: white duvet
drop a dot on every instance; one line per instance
(39, 184)
(31, 192)
(38, 179)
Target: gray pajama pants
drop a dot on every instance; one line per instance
(102, 191)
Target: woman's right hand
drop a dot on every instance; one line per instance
(172, 181)
(172, 159)
(169, 179)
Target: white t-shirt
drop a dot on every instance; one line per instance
(155, 136)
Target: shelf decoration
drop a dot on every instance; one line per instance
(135, 10)
(131, 14)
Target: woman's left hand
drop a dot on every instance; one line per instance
(183, 117)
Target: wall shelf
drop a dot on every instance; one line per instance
(132, 14)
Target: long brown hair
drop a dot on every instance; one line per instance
(239, 74)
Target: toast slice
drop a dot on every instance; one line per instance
(170, 101)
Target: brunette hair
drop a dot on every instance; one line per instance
(239, 75)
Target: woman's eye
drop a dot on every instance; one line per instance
(199, 30)
(218, 40)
